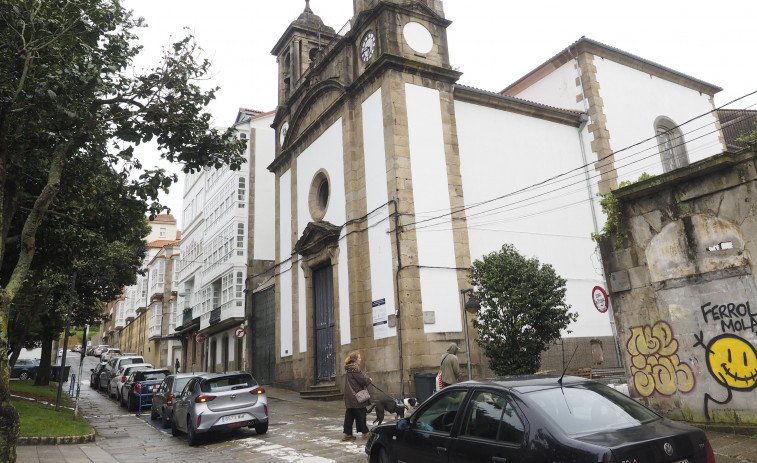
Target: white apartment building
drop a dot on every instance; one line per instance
(228, 222)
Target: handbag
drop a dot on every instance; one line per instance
(362, 395)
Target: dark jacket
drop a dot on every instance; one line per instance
(357, 380)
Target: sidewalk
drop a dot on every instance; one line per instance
(728, 447)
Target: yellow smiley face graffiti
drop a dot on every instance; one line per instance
(733, 362)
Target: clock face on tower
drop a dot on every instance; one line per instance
(367, 45)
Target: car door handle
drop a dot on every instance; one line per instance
(499, 460)
(441, 450)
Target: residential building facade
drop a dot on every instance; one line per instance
(227, 247)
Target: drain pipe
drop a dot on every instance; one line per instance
(583, 120)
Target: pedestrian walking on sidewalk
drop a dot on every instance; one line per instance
(177, 365)
(354, 382)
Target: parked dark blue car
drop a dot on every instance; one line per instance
(25, 369)
(140, 387)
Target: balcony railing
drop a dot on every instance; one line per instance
(154, 331)
(215, 316)
(186, 317)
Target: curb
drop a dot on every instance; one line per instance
(60, 440)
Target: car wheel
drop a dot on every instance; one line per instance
(383, 456)
(23, 375)
(111, 394)
(164, 421)
(174, 430)
(261, 428)
(153, 414)
(131, 406)
(192, 438)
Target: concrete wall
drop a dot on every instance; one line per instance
(684, 292)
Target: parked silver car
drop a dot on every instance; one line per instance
(162, 400)
(213, 402)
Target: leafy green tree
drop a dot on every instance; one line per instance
(69, 98)
(523, 309)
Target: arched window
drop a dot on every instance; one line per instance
(671, 144)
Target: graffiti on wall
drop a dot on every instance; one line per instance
(655, 366)
(731, 317)
(732, 361)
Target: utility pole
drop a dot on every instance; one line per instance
(62, 370)
(81, 366)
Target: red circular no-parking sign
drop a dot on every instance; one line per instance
(239, 333)
(599, 296)
(200, 337)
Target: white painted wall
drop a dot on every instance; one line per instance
(557, 89)
(264, 237)
(631, 116)
(439, 292)
(345, 331)
(632, 100)
(380, 243)
(502, 153)
(325, 153)
(285, 252)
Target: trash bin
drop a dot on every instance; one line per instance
(55, 373)
(424, 386)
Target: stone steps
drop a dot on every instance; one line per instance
(322, 391)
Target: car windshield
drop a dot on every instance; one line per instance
(589, 408)
(228, 383)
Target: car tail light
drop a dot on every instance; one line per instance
(708, 450)
(258, 390)
(123, 379)
(169, 401)
(137, 387)
(199, 420)
(204, 398)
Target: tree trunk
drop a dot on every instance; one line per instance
(43, 372)
(9, 425)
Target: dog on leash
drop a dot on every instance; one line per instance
(392, 406)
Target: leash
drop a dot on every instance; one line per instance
(385, 393)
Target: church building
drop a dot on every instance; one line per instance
(391, 178)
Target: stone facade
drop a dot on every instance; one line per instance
(683, 286)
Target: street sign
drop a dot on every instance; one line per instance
(200, 337)
(239, 333)
(599, 296)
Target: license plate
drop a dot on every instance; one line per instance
(234, 418)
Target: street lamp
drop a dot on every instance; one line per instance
(471, 305)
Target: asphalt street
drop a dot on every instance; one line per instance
(301, 431)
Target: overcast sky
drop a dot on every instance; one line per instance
(493, 43)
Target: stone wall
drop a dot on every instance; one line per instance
(683, 290)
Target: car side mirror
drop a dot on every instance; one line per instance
(403, 424)
(92, 370)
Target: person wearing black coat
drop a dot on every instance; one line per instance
(354, 381)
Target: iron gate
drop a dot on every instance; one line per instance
(264, 335)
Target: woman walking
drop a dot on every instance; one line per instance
(354, 381)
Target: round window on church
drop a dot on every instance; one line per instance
(320, 193)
